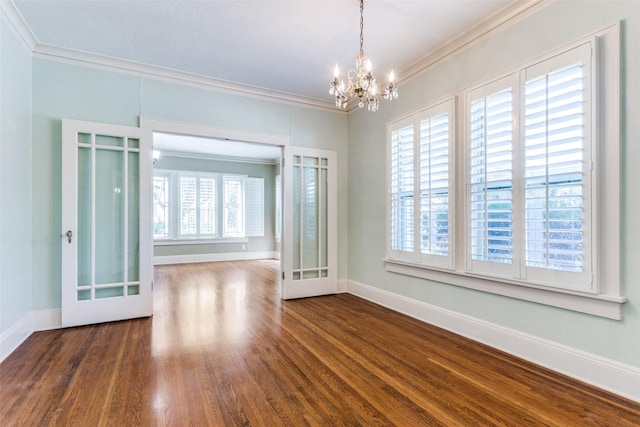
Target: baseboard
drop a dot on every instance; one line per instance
(44, 320)
(33, 321)
(227, 256)
(601, 372)
(15, 335)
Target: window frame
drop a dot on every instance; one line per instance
(607, 299)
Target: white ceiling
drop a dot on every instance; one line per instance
(286, 47)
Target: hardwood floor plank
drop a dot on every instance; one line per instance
(223, 349)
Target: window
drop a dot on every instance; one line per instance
(420, 186)
(538, 183)
(557, 167)
(187, 205)
(529, 219)
(197, 195)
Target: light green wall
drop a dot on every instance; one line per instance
(63, 90)
(15, 178)
(253, 170)
(551, 27)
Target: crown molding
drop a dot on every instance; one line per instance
(86, 59)
(19, 25)
(509, 15)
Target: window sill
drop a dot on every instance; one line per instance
(222, 240)
(596, 304)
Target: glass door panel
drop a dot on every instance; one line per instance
(106, 264)
(310, 224)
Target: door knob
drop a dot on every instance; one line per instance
(69, 234)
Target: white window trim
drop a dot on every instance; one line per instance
(606, 176)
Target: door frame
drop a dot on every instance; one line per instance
(206, 131)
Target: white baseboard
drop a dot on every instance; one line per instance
(601, 372)
(33, 321)
(227, 256)
(15, 335)
(44, 320)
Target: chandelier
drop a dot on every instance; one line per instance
(362, 84)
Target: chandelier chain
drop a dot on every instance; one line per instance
(361, 27)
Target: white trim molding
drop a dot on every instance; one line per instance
(15, 335)
(601, 372)
(16, 21)
(34, 321)
(227, 256)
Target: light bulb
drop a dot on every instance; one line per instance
(336, 72)
(391, 77)
(368, 66)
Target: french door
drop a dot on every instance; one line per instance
(106, 233)
(310, 223)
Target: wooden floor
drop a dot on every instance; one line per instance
(222, 350)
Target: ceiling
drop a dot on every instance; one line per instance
(285, 49)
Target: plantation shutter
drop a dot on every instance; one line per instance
(188, 212)
(557, 163)
(401, 187)
(233, 207)
(207, 203)
(254, 202)
(490, 232)
(435, 184)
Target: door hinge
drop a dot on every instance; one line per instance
(283, 275)
(152, 285)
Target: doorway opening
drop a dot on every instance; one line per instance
(215, 199)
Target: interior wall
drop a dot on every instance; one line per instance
(15, 178)
(253, 170)
(547, 29)
(64, 90)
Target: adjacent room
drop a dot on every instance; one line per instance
(348, 212)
